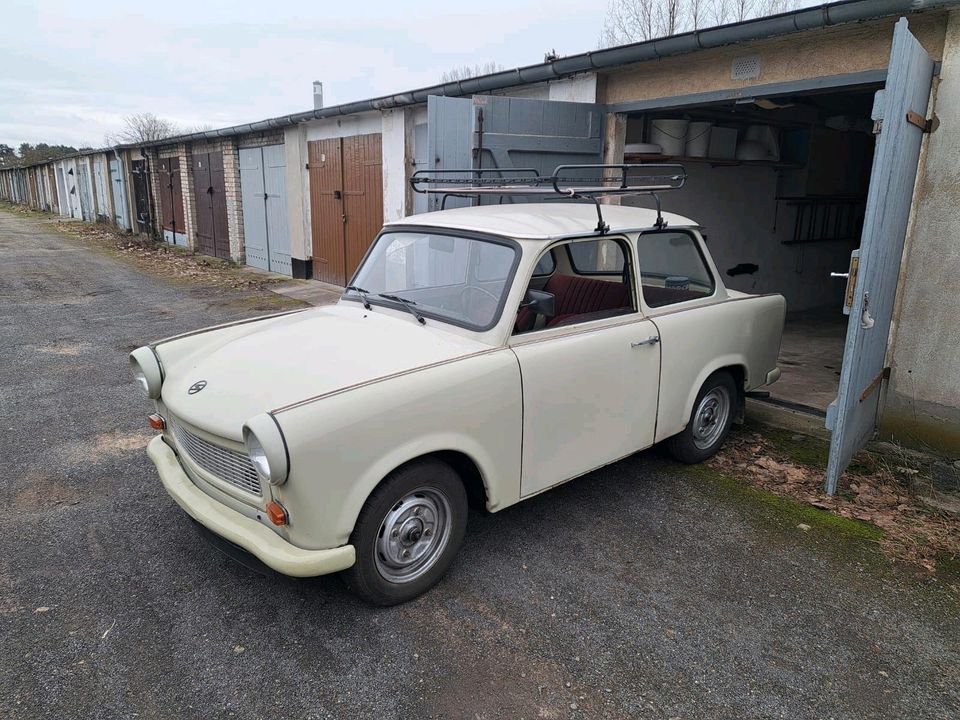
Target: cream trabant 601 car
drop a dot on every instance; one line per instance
(480, 356)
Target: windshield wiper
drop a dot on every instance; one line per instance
(362, 293)
(406, 304)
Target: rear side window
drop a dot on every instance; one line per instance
(672, 269)
(545, 266)
(596, 258)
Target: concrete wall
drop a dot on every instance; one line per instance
(395, 167)
(744, 223)
(838, 50)
(298, 197)
(923, 398)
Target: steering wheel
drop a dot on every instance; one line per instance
(476, 311)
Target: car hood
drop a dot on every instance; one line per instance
(263, 365)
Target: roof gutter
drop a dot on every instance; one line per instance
(813, 18)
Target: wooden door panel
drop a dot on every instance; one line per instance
(326, 209)
(218, 206)
(203, 203)
(362, 196)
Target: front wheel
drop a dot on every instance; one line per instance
(408, 533)
(710, 421)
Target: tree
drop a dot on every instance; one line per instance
(8, 156)
(464, 72)
(143, 127)
(629, 21)
(28, 154)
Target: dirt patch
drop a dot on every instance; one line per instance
(519, 683)
(878, 489)
(42, 493)
(65, 349)
(107, 445)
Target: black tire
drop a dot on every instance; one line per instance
(690, 447)
(405, 503)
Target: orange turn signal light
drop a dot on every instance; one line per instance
(157, 422)
(277, 513)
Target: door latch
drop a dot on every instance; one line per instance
(866, 319)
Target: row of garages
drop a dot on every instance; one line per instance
(778, 121)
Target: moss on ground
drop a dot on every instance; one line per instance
(783, 513)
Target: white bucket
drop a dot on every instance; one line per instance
(670, 134)
(698, 139)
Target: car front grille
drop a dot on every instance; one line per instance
(230, 466)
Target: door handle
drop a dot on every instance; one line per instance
(652, 340)
(836, 274)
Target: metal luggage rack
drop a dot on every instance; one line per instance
(567, 181)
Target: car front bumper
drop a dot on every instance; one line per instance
(260, 541)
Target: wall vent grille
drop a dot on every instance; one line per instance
(745, 67)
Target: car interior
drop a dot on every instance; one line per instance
(591, 279)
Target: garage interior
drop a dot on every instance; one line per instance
(779, 185)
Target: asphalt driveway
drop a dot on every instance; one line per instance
(644, 590)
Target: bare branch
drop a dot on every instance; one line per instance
(143, 127)
(464, 72)
(629, 21)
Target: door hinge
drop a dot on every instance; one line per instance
(920, 121)
(878, 126)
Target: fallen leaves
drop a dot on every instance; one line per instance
(159, 258)
(913, 531)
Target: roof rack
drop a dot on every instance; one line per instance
(573, 182)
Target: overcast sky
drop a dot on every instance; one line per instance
(70, 71)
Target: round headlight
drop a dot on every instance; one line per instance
(267, 448)
(258, 456)
(146, 371)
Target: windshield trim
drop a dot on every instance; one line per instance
(451, 232)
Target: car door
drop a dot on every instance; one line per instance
(589, 396)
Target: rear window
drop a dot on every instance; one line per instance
(672, 269)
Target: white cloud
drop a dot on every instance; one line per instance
(80, 67)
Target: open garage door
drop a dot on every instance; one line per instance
(506, 133)
(899, 112)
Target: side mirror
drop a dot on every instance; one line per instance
(541, 302)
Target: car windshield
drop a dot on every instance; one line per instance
(456, 279)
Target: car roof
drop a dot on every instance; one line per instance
(538, 221)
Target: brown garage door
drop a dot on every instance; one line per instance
(211, 202)
(346, 203)
(171, 201)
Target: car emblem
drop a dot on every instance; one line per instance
(197, 387)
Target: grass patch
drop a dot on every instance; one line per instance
(784, 512)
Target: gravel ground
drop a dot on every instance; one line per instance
(644, 590)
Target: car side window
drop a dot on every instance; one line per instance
(672, 269)
(596, 258)
(570, 296)
(545, 266)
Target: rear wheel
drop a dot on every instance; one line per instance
(408, 533)
(710, 421)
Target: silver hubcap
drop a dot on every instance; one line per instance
(413, 535)
(710, 418)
